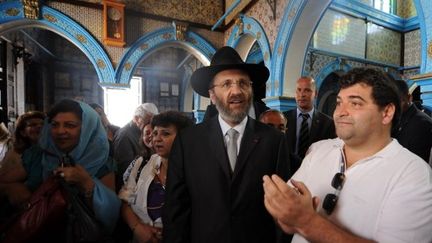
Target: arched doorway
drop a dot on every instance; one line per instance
(64, 26)
(326, 100)
(51, 56)
(190, 48)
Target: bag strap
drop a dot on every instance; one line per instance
(140, 169)
(65, 160)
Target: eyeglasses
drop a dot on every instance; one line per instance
(242, 84)
(331, 199)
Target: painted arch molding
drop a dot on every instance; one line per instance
(12, 18)
(146, 45)
(244, 36)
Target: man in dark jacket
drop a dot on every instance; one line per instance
(414, 131)
(126, 144)
(214, 184)
(316, 125)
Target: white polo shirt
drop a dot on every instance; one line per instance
(386, 197)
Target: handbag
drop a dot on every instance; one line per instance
(55, 212)
(41, 217)
(82, 225)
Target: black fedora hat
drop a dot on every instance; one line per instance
(226, 58)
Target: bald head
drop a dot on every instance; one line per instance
(305, 93)
(274, 118)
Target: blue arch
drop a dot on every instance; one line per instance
(255, 57)
(291, 16)
(410, 83)
(144, 46)
(425, 23)
(12, 17)
(330, 68)
(253, 28)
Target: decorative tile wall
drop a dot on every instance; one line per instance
(135, 28)
(198, 11)
(406, 8)
(412, 48)
(262, 12)
(214, 37)
(383, 45)
(340, 33)
(236, 11)
(91, 20)
(319, 62)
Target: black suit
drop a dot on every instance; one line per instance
(205, 202)
(322, 127)
(415, 132)
(211, 110)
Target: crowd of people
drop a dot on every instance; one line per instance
(247, 173)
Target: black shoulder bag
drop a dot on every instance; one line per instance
(82, 225)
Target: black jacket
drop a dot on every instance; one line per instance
(205, 202)
(322, 127)
(414, 132)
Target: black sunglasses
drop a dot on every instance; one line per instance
(331, 199)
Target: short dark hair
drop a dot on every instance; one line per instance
(167, 118)
(21, 142)
(65, 105)
(271, 111)
(384, 90)
(402, 87)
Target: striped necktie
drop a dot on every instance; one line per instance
(303, 141)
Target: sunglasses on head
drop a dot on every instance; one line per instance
(330, 200)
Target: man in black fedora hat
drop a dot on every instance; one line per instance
(257, 108)
(214, 184)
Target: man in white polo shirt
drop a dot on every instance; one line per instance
(362, 186)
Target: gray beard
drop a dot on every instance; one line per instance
(228, 115)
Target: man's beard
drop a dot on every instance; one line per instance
(229, 115)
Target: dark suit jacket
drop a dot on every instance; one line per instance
(322, 127)
(211, 110)
(126, 147)
(415, 132)
(205, 203)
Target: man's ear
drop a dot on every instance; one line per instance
(212, 96)
(316, 93)
(388, 114)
